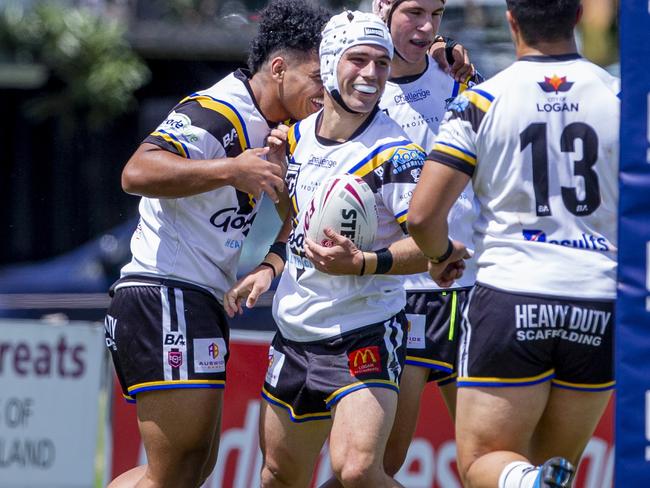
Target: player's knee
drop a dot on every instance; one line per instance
(358, 471)
(274, 476)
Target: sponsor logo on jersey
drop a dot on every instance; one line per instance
(555, 84)
(174, 339)
(209, 355)
(558, 106)
(230, 139)
(411, 97)
(585, 241)
(416, 327)
(365, 360)
(178, 123)
(236, 218)
(110, 323)
(175, 359)
(405, 159)
(415, 174)
(321, 162)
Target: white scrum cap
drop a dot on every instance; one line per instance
(343, 31)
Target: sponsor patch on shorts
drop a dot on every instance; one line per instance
(276, 361)
(416, 326)
(209, 355)
(364, 360)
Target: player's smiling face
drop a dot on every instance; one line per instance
(302, 89)
(414, 24)
(362, 74)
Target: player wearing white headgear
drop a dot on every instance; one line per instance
(335, 363)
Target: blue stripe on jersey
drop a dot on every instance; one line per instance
(464, 151)
(375, 152)
(401, 217)
(456, 89)
(483, 94)
(172, 136)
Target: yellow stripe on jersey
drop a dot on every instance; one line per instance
(226, 111)
(179, 147)
(477, 99)
(402, 218)
(455, 151)
(375, 161)
(291, 138)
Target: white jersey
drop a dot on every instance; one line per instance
(540, 140)
(198, 239)
(418, 103)
(310, 305)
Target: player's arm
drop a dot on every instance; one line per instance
(156, 172)
(258, 281)
(439, 187)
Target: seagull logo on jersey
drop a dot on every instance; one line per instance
(458, 104)
(555, 84)
(415, 174)
(534, 235)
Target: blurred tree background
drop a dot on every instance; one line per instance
(83, 82)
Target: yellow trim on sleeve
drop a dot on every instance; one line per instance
(444, 148)
(227, 112)
(478, 100)
(172, 141)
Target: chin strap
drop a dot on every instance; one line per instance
(339, 99)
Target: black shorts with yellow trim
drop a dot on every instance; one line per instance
(434, 327)
(514, 339)
(308, 378)
(165, 334)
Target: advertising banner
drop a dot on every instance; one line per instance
(50, 378)
(431, 461)
(633, 305)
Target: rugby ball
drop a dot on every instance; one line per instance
(346, 204)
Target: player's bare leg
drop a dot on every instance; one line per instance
(289, 449)
(412, 383)
(567, 424)
(449, 393)
(178, 446)
(495, 427)
(362, 424)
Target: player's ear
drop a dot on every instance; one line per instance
(278, 68)
(579, 14)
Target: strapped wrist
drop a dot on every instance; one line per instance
(445, 256)
(384, 261)
(269, 265)
(279, 248)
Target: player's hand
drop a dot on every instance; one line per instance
(341, 258)
(254, 175)
(248, 288)
(445, 273)
(277, 144)
(461, 69)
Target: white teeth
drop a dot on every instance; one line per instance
(371, 90)
(317, 101)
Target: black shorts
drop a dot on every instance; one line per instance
(163, 337)
(434, 327)
(308, 378)
(512, 339)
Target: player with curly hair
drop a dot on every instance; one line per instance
(201, 175)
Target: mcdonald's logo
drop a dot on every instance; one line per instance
(365, 360)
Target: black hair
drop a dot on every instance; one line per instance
(294, 25)
(544, 20)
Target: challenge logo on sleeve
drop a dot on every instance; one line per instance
(209, 355)
(364, 360)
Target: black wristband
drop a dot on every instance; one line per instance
(450, 44)
(384, 261)
(279, 248)
(269, 265)
(445, 256)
